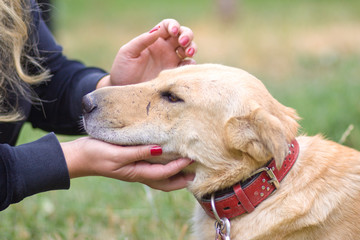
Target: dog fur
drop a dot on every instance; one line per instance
(226, 120)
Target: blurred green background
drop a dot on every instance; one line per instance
(306, 52)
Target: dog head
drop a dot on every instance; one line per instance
(221, 117)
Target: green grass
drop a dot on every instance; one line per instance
(306, 52)
(327, 100)
(98, 208)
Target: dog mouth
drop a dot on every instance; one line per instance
(118, 134)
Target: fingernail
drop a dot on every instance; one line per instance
(156, 151)
(190, 52)
(154, 29)
(184, 41)
(175, 30)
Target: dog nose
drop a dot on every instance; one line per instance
(88, 104)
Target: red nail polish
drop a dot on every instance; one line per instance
(156, 151)
(191, 52)
(184, 41)
(154, 29)
(175, 30)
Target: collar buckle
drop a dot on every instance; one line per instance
(270, 173)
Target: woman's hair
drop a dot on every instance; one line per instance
(15, 60)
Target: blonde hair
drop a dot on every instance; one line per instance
(15, 21)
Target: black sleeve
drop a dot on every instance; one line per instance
(31, 168)
(61, 96)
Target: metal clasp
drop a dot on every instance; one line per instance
(270, 173)
(222, 225)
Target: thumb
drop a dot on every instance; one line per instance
(134, 48)
(132, 154)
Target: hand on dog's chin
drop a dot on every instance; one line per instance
(164, 158)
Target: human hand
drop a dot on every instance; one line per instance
(167, 45)
(90, 157)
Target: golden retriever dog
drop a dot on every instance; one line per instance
(251, 167)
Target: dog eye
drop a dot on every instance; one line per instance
(171, 97)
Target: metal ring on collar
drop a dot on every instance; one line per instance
(216, 215)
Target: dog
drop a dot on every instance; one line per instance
(246, 148)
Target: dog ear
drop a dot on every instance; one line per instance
(261, 135)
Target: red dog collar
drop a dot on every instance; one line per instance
(243, 197)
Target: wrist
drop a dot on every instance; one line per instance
(104, 82)
(73, 159)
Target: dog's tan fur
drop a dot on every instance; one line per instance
(226, 120)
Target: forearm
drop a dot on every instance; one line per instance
(69, 81)
(31, 168)
(61, 99)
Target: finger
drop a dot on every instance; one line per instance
(176, 182)
(158, 172)
(188, 61)
(171, 28)
(132, 154)
(181, 53)
(186, 36)
(173, 41)
(191, 50)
